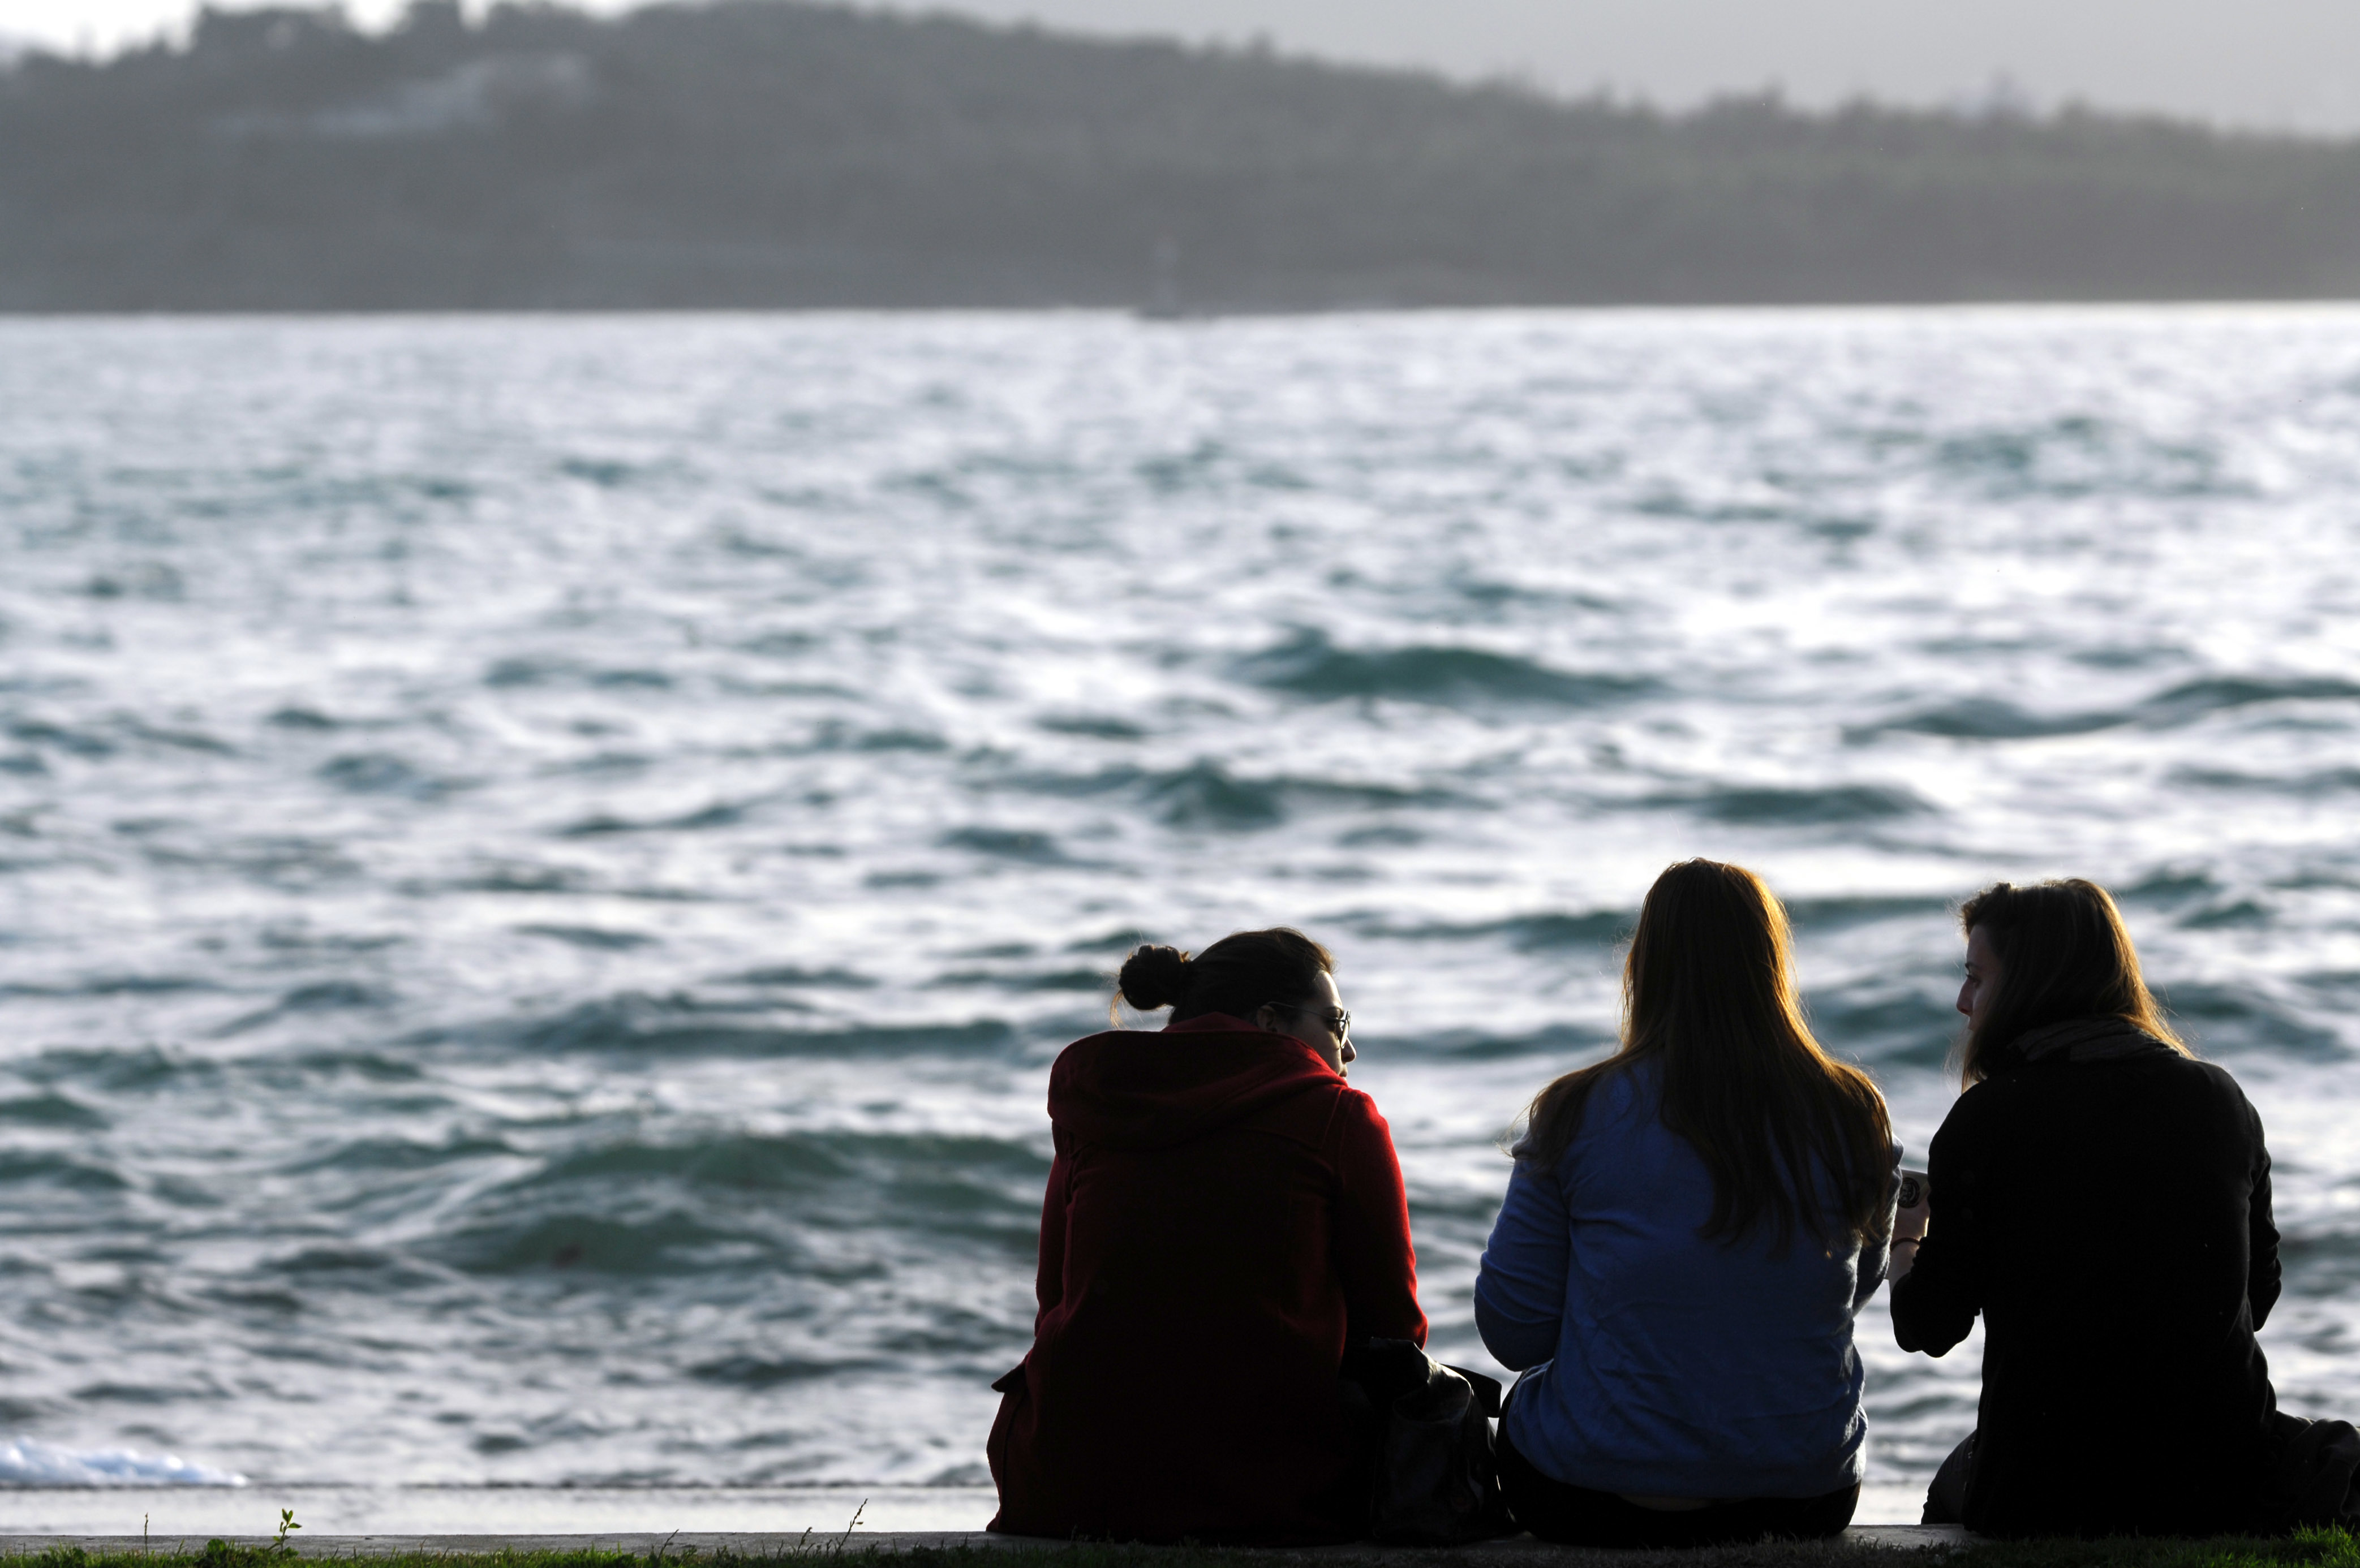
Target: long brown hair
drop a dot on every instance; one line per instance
(2064, 954)
(1708, 992)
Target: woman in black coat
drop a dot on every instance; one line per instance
(2103, 1198)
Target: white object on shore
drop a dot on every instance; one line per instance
(26, 1462)
(329, 1512)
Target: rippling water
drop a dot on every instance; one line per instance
(544, 862)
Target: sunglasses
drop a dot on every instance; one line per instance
(1339, 1021)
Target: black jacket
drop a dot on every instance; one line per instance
(2105, 1202)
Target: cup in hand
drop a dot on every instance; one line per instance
(1909, 1219)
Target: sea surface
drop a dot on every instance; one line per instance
(544, 861)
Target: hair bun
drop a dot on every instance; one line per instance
(1154, 978)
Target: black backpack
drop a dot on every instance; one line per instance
(1433, 1480)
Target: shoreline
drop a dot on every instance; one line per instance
(653, 1546)
(527, 1511)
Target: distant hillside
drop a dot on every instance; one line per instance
(756, 153)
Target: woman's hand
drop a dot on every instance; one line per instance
(1908, 1224)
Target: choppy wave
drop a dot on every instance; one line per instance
(1992, 718)
(1545, 931)
(26, 1462)
(1834, 803)
(680, 1025)
(1206, 794)
(2322, 783)
(1308, 664)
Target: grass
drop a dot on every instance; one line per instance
(2312, 1549)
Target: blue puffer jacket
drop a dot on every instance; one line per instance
(1656, 1362)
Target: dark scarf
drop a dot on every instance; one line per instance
(2083, 1039)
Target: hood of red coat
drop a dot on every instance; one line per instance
(1137, 1090)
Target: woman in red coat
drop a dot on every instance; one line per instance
(1224, 1213)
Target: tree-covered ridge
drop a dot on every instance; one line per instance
(756, 152)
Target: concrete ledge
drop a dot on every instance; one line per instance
(1515, 1550)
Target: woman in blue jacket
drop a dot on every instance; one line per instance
(1691, 1225)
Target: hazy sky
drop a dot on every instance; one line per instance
(2265, 62)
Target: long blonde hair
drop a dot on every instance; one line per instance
(1708, 991)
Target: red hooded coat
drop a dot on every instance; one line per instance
(1224, 1211)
